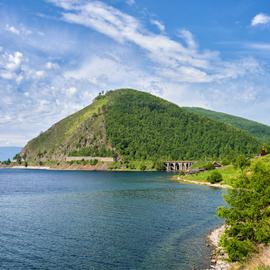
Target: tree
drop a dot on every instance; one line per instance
(215, 177)
(248, 213)
(241, 162)
(159, 166)
(142, 167)
(18, 158)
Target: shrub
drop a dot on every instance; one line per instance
(159, 166)
(142, 167)
(209, 166)
(247, 214)
(93, 162)
(215, 177)
(226, 161)
(241, 162)
(237, 250)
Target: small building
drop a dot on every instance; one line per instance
(216, 165)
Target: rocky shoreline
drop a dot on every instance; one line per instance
(219, 256)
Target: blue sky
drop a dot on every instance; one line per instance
(56, 55)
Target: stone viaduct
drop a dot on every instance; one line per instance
(178, 165)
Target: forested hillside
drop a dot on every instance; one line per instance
(258, 130)
(134, 125)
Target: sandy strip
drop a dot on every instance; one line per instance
(217, 185)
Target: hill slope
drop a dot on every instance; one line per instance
(258, 130)
(138, 126)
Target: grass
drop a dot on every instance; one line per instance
(61, 132)
(229, 173)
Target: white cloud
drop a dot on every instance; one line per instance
(159, 25)
(40, 74)
(51, 66)
(19, 30)
(71, 91)
(47, 77)
(12, 29)
(188, 38)
(260, 19)
(14, 61)
(184, 59)
(10, 66)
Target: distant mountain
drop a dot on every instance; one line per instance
(135, 125)
(258, 130)
(8, 152)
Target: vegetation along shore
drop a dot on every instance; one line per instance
(129, 130)
(243, 242)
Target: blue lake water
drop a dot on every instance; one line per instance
(103, 220)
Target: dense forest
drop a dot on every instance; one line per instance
(133, 125)
(258, 130)
(142, 126)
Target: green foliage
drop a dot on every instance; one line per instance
(226, 161)
(145, 127)
(140, 127)
(142, 167)
(203, 164)
(238, 250)
(215, 177)
(241, 162)
(6, 162)
(229, 174)
(92, 152)
(209, 166)
(159, 166)
(258, 130)
(115, 166)
(18, 158)
(69, 134)
(248, 212)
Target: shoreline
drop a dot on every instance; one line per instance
(203, 183)
(218, 255)
(75, 168)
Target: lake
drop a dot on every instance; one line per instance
(104, 220)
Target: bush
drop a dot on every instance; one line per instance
(93, 162)
(209, 166)
(142, 167)
(237, 250)
(215, 177)
(247, 214)
(226, 161)
(115, 165)
(241, 162)
(159, 166)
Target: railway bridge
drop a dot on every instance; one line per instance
(183, 165)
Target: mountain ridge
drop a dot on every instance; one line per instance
(133, 125)
(254, 128)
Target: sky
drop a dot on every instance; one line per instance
(57, 55)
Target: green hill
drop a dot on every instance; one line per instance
(134, 125)
(258, 130)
